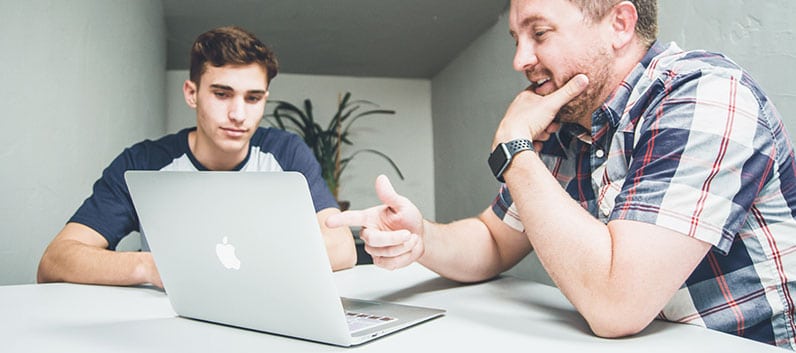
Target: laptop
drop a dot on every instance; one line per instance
(244, 249)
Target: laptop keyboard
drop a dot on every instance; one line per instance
(362, 321)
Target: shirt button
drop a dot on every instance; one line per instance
(599, 153)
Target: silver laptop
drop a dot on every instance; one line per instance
(244, 249)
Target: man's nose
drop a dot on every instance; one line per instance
(236, 110)
(525, 57)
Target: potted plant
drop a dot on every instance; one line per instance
(326, 142)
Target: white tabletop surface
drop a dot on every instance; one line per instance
(506, 314)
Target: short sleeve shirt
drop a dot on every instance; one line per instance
(109, 210)
(690, 142)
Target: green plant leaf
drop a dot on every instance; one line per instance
(326, 143)
(380, 154)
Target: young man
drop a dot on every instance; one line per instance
(228, 86)
(680, 169)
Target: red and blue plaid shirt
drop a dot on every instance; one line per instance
(691, 143)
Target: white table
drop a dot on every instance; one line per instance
(503, 315)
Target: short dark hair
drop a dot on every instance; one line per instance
(230, 46)
(647, 25)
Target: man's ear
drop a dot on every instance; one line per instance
(189, 90)
(623, 19)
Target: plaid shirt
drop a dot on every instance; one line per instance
(691, 143)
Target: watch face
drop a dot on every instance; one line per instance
(498, 160)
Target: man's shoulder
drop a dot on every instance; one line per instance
(176, 138)
(287, 148)
(268, 138)
(668, 71)
(273, 133)
(149, 153)
(673, 62)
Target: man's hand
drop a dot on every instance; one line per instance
(392, 232)
(531, 116)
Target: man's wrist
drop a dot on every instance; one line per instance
(501, 157)
(520, 162)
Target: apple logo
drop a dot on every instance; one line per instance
(226, 254)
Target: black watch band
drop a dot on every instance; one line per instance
(501, 157)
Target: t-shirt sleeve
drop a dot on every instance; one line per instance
(109, 210)
(301, 159)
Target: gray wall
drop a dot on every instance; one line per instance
(81, 80)
(470, 96)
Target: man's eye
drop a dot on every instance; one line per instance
(221, 94)
(253, 99)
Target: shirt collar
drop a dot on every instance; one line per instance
(611, 111)
(614, 107)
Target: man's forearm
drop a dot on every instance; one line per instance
(339, 242)
(618, 276)
(72, 261)
(340, 248)
(574, 247)
(462, 251)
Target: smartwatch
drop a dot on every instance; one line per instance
(500, 158)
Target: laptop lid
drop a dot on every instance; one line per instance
(245, 249)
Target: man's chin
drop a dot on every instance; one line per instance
(575, 110)
(232, 146)
(566, 115)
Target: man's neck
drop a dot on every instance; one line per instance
(211, 157)
(625, 64)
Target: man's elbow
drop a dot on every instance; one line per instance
(43, 273)
(612, 325)
(52, 265)
(41, 277)
(346, 261)
(350, 261)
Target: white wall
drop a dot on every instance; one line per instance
(406, 136)
(471, 94)
(81, 80)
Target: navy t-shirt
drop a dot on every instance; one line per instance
(109, 210)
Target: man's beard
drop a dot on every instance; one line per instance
(573, 111)
(583, 105)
